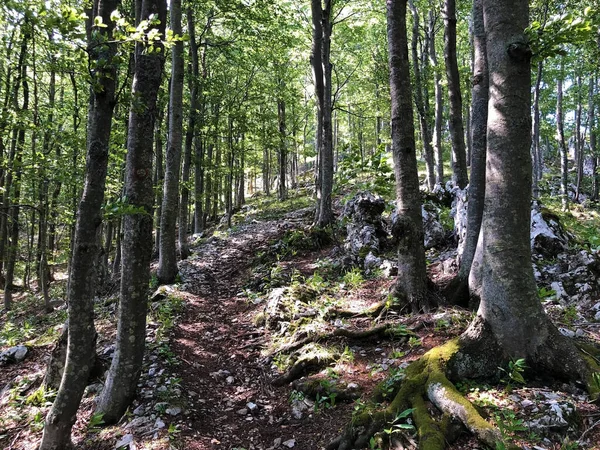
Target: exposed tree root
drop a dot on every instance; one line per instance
(304, 365)
(370, 312)
(427, 379)
(384, 330)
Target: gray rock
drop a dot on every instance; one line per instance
(364, 225)
(13, 355)
(433, 230)
(174, 411)
(547, 236)
(242, 412)
(159, 424)
(566, 332)
(139, 411)
(371, 262)
(125, 441)
(290, 443)
(252, 406)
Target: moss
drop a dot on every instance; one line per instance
(431, 433)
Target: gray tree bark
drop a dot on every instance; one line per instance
(167, 258)
(282, 149)
(408, 227)
(560, 136)
(510, 310)
(420, 100)
(86, 246)
(457, 131)
(320, 59)
(438, 150)
(535, 144)
(121, 382)
(479, 118)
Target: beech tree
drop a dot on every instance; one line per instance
(321, 64)
(510, 322)
(82, 286)
(408, 225)
(167, 263)
(121, 382)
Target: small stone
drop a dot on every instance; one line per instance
(125, 441)
(242, 412)
(566, 332)
(290, 443)
(229, 380)
(252, 406)
(159, 424)
(352, 386)
(174, 411)
(139, 411)
(277, 442)
(526, 403)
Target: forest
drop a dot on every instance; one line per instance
(320, 224)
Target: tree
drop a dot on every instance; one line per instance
(408, 225)
(167, 263)
(510, 323)
(476, 190)
(120, 386)
(86, 246)
(321, 64)
(455, 121)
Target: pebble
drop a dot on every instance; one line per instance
(124, 441)
(173, 411)
(242, 412)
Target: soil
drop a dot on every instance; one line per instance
(225, 369)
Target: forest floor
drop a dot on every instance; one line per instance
(220, 339)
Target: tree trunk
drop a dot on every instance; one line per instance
(408, 226)
(86, 246)
(479, 118)
(167, 262)
(457, 133)
(282, 150)
(438, 150)
(560, 135)
(510, 309)
(420, 100)
(159, 172)
(579, 143)
(592, 128)
(121, 382)
(535, 137)
(320, 59)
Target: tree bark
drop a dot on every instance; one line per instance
(167, 259)
(438, 150)
(479, 118)
(579, 143)
(510, 306)
(282, 150)
(420, 100)
(121, 382)
(560, 136)
(457, 132)
(408, 226)
(320, 60)
(86, 246)
(592, 128)
(535, 144)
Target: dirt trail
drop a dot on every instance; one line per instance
(231, 402)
